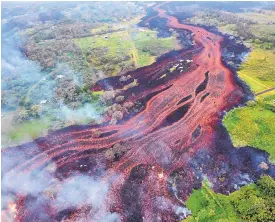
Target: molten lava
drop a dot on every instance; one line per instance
(150, 159)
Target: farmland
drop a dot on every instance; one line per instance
(134, 46)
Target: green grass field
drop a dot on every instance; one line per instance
(118, 43)
(206, 205)
(111, 42)
(149, 38)
(129, 42)
(254, 202)
(259, 70)
(253, 125)
(27, 131)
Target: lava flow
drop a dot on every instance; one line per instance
(148, 163)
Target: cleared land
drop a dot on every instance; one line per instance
(259, 70)
(115, 44)
(141, 46)
(148, 46)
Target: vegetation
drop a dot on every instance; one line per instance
(107, 52)
(255, 27)
(124, 50)
(258, 70)
(255, 202)
(68, 57)
(264, 35)
(253, 125)
(26, 131)
(259, 16)
(149, 46)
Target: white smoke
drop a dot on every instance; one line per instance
(166, 204)
(82, 114)
(82, 190)
(161, 152)
(44, 188)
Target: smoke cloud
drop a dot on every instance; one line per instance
(44, 189)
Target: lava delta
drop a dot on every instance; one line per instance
(149, 161)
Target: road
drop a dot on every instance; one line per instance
(265, 91)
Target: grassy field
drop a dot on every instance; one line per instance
(104, 28)
(111, 42)
(206, 205)
(259, 70)
(117, 43)
(253, 202)
(263, 96)
(130, 42)
(116, 26)
(146, 38)
(26, 131)
(254, 125)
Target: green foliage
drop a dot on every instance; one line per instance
(253, 125)
(262, 45)
(258, 71)
(149, 46)
(264, 33)
(124, 49)
(106, 53)
(267, 186)
(254, 202)
(208, 206)
(29, 130)
(250, 26)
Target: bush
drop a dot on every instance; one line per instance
(267, 186)
(254, 202)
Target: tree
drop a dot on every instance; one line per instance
(36, 110)
(267, 186)
(22, 115)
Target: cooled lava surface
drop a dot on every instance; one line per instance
(150, 160)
